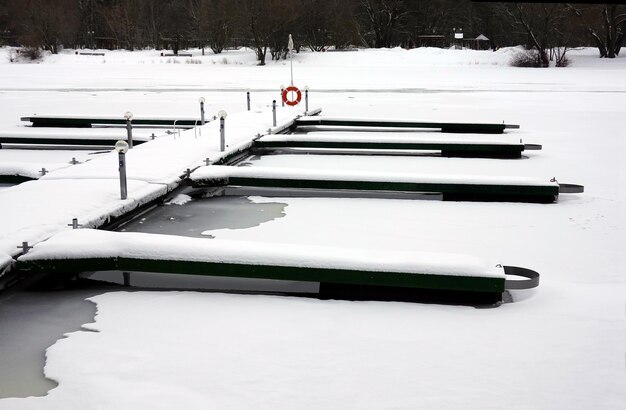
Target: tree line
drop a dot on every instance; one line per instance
(264, 25)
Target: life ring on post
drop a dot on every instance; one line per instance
(290, 89)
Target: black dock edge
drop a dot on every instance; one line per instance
(399, 294)
(482, 197)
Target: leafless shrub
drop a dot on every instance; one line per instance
(526, 58)
(12, 56)
(560, 57)
(31, 53)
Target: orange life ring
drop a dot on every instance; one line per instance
(286, 91)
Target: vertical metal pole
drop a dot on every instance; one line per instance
(274, 112)
(129, 132)
(306, 100)
(282, 101)
(248, 97)
(123, 188)
(202, 113)
(126, 276)
(291, 59)
(222, 135)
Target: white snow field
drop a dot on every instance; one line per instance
(559, 346)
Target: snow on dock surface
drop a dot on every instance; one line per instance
(87, 243)
(393, 138)
(90, 191)
(101, 133)
(220, 172)
(28, 163)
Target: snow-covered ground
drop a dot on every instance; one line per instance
(560, 346)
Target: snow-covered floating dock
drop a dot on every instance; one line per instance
(95, 250)
(73, 137)
(484, 188)
(34, 211)
(452, 127)
(68, 121)
(448, 147)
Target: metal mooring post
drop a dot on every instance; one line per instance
(248, 98)
(122, 148)
(201, 110)
(274, 112)
(24, 247)
(306, 99)
(222, 114)
(129, 128)
(74, 223)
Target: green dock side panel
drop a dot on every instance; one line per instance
(479, 128)
(290, 273)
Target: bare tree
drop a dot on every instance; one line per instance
(220, 22)
(608, 18)
(315, 24)
(540, 22)
(45, 23)
(383, 18)
(268, 23)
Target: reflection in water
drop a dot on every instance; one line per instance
(150, 280)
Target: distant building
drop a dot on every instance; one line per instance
(479, 43)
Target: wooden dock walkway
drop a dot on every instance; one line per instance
(90, 192)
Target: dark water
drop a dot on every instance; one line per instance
(30, 322)
(198, 215)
